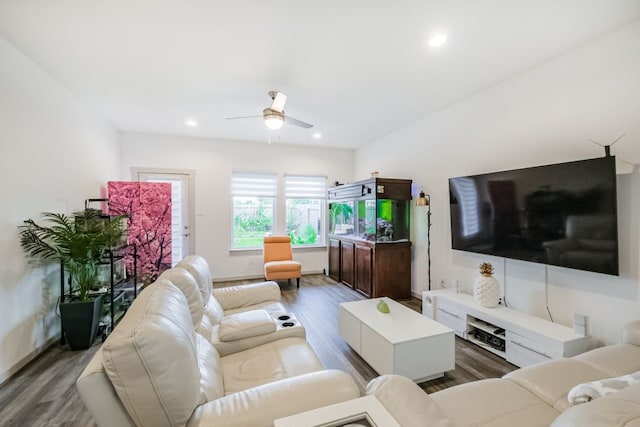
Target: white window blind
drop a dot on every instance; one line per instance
(305, 187)
(251, 184)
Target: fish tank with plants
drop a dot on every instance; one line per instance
(383, 220)
(375, 210)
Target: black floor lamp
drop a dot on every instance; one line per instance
(425, 200)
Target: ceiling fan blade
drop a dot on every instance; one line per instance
(296, 122)
(278, 102)
(242, 117)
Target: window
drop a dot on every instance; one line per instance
(305, 209)
(254, 196)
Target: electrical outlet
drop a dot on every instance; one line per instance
(442, 283)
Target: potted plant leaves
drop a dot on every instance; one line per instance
(77, 241)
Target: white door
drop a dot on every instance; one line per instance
(182, 240)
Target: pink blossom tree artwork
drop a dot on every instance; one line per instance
(148, 206)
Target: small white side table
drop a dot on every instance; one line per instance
(400, 342)
(366, 409)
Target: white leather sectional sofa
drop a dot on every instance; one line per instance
(534, 396)
(161, 365)
(187, 354)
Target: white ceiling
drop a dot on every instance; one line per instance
(358, 70)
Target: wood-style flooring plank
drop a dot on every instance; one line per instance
(43, 393)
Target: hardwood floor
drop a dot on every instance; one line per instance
(44, 393)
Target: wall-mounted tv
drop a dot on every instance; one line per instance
(562, 214)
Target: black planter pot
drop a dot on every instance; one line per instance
(80, 320)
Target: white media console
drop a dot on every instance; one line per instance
(520, 338)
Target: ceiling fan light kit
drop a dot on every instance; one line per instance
(273, 119)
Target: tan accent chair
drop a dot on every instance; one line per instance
(278, 260)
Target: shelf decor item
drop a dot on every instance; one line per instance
(383, 307)
(486, 289)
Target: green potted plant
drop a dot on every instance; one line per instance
(78, 242)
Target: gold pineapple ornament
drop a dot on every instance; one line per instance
(486, 269)
(486, 289)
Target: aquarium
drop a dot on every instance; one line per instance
(383, 220)
(375, 210)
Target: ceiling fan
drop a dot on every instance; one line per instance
(274, 116)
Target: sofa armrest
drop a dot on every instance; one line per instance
(244, 295)
(631, 333)
(260, 406)
(100, 397)
(408, 403)
(618, 409)
(246, 325)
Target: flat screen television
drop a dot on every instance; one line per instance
(562, 214)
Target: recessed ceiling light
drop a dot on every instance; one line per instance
(317, 135)
(437, 40)
(191, 123)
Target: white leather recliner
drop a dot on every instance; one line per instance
(253, 317)
(156, 370)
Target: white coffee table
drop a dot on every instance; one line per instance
(400, 342)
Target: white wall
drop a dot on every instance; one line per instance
(543, 116)
(55, 154)
(213, 161)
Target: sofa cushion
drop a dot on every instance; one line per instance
(282, 266)
(260, 406)
(493, 403)
(586, 392)
(269, 362)
(210, 368)
(273, 308)
(552, 380)
(151, 358)
(245, 325)
(620, 409)
(199, 269)
(232, 297)
(406, 402)
(613, 360)
(182, 279)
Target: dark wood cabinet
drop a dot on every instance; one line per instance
(369, 247)
(334, 259)
(347, 263)
(364, 269)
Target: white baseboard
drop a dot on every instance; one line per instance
(234, 278)
(4, 376)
